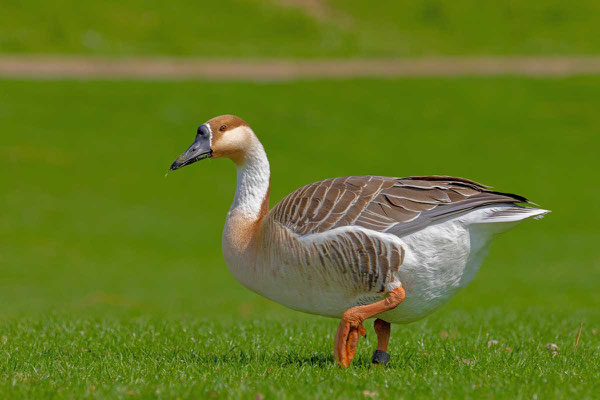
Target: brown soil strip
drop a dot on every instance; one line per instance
(46, 67)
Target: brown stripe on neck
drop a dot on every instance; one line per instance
(264, 207)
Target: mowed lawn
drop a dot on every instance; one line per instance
(112, 282)
(295, 28)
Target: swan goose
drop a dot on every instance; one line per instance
(353, 247)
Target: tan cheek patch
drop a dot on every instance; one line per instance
(230, 144)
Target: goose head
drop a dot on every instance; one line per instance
(224, 136)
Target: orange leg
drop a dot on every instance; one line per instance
(382, 329)
(351, 325)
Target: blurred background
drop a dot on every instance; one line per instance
(89, 223)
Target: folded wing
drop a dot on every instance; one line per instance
(384, 204)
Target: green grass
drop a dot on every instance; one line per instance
(453, 356)
(266, 28)
(112, 277)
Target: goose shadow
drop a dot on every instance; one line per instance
(238, 356)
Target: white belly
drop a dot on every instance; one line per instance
(440, 260)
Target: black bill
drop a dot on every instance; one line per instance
(199, 150)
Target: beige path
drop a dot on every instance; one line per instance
(45, 67)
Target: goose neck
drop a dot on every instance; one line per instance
(251, 198)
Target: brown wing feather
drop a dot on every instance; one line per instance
(384, 204)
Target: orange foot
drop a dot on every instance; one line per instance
(351, 327)
(346, 340)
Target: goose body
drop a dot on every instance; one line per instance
(354, 247)
(328, 272)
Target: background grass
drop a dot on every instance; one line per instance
(273, 28)
(113, 283)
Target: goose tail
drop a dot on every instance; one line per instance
(512, 213)
(501, 218)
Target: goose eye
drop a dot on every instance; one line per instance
(222, 128)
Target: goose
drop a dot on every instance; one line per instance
(354, 247)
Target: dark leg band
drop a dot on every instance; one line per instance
(380, 357)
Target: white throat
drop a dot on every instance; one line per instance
(252, 181)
